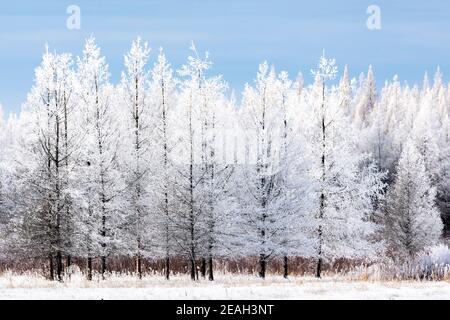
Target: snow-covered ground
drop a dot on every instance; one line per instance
(225, 287)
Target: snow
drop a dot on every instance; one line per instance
(225, 287)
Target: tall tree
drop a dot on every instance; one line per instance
(264, 121)
(134, 88)
(366, 99)
(163, 94)
(190, 230)
(43, 162)
(101, 187)
(215, 172)
(342, 190)
(412, 221)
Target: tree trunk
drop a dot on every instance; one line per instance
(68, 264)
(192, 269)
(102, 183)
(319, 267)
(51, 274)
(89, 267)
(103, 267)
(285, 267)
(194, 272)
(166, 194)
(203, 267)
(167, 268)
(66, 154)
(59, 265)
(139, 174)
(262, 266)
(322, 195)
(103, 257)
(210, 269)
(319, 259)
(139, 266)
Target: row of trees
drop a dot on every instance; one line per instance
(166, 165)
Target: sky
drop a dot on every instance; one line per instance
(238, 34)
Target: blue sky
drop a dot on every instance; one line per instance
(414, 36)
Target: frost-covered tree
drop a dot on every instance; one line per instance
(100, 181)
(189, 231)
(443, 183)
(201, 172)
(342, 191)
(163, 100)
(366, 99)
(382, 136)
(216, 172)
(265, 216)
(138, 127)
(345, 92)
(9, 197)
(41, 169)
(292, 176)
(412, 221)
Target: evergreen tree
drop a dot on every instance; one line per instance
(412, 221)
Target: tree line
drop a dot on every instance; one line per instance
(169, 164)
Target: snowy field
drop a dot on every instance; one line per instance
(225, 287)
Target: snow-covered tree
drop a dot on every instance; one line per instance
(265, 216)
(201, 173)
(412, 220)
(343, 192)
(41, 169)
(189, 231)
(163, 100)
(138, 127)
(217, 171)
(366, 99)
(99, 179)
(345, 92)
